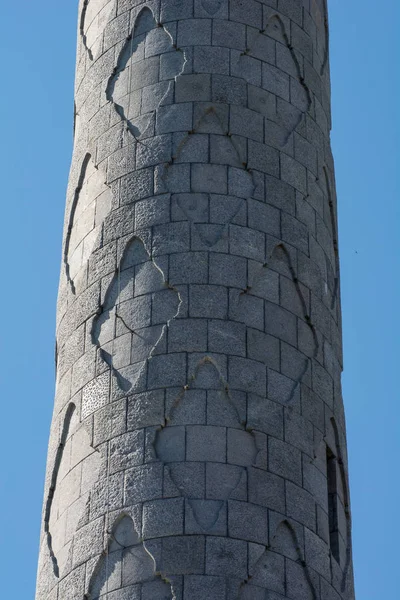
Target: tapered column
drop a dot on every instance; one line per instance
(198, 445)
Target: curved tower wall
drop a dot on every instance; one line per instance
(198, 446)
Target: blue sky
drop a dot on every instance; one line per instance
(37, 46)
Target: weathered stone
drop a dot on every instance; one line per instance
(194, 449)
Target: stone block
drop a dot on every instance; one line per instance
(295, 365)
(228, 270)
(190, 148)
(163, 518)
(246, 11)
(153, 211)
(193, 88)
(275, 81)
(317, 554)
(167, 371)
(156, 150)
(284, 460)
(136, 186)
(170, 238)
(248, 522)
(246, 67)
(208, 301)
(209, 179)
(247, 309)
(170, 444)
(88, 542)
(241, 448)
(227, 337)
(305, 153)
(301, 506)
(205, 516)
(295, 233)
(194, 32)
(226, 556)
(229, 90)
(264, 348)
(176, 9)
(247, 242)
(225, 481)
(229, 34)
(301, 584)
(247, 375)
(126, 451)
(294, 298)
(265, 416)
(143, 483)
(292, 9)
(322, 384)
(206, 443)
(175, 117)
(280, 194)
(263, 282)
(183, 555)
(264, 217)
(211, 60)
(208, 586)
(187, 335)
(188, 408)
(263, 158)
(262, 102)
(280, 323)
(190, 267)
(270, 573)
(266, 489)
(223, 151)
(294, 173)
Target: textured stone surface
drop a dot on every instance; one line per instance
(197, 448)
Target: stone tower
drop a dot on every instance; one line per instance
(198, 448)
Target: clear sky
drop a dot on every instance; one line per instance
(37, 50)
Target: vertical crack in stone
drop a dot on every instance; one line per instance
(70, 441)
(71, 219)
(82, 28)
(83, 25)
(53, 483)
(346, 499)
(326, 29)
(334, 237)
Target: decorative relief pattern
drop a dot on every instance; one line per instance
(123, 330)
(94, 16)
(194, 443)
(90, 205)
(126, 568)
(140, 83)
(68, 494)
(269, 575)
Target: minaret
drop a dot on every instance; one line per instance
(198, 447)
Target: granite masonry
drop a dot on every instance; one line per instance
(198, 447)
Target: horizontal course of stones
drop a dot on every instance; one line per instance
(198, 439)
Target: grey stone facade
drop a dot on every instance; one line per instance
(198, 447)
